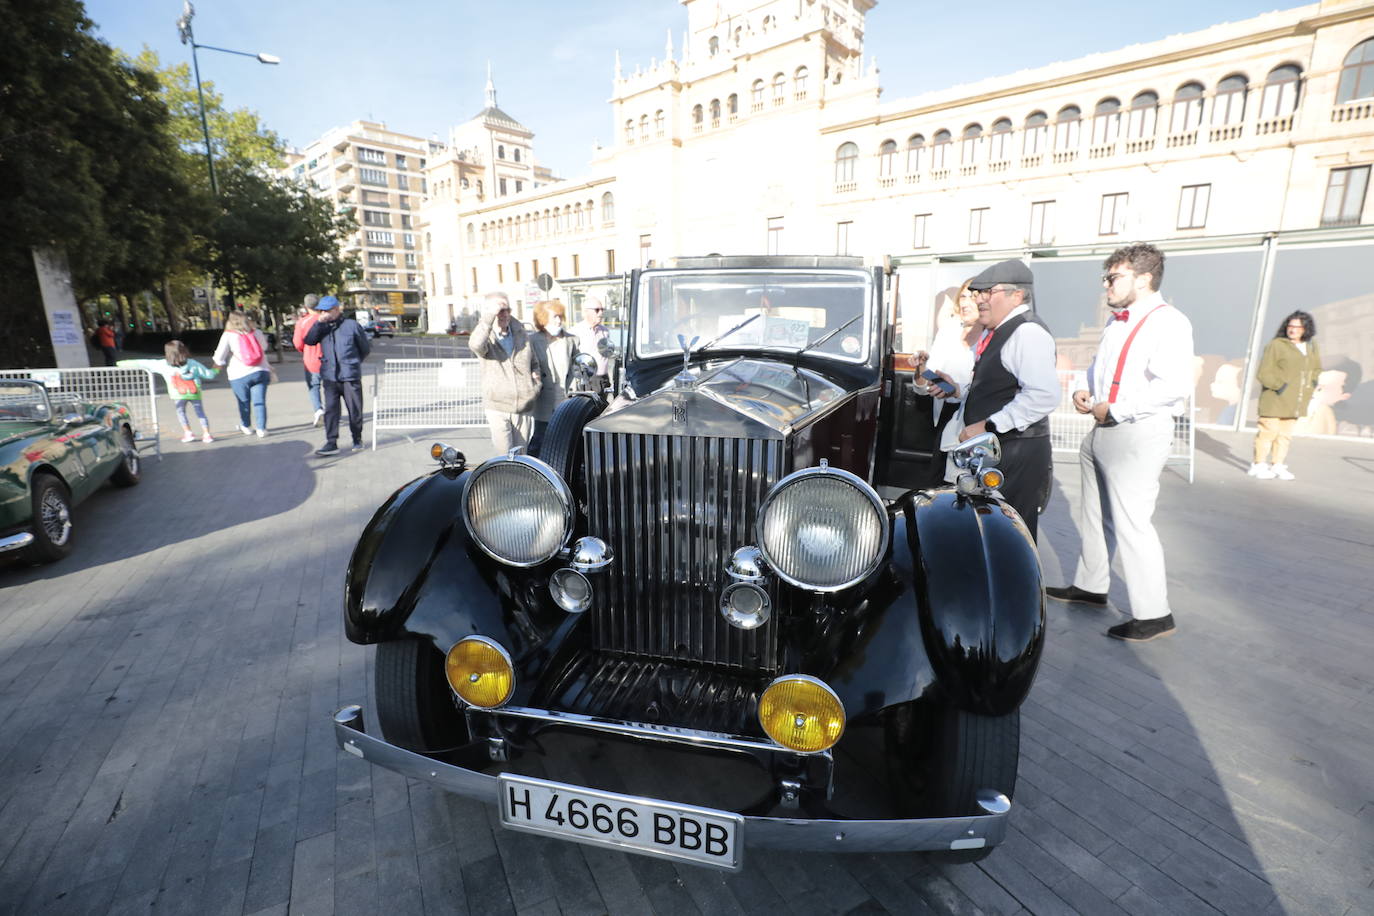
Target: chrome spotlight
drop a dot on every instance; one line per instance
(746, 565)
(570, 590)
(590, 554)
(745, 605)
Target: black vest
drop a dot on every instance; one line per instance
(993, 387)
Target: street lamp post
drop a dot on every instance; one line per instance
(188, 37)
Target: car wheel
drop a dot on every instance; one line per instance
(414, 705)
(130, 467)
(52, 520)
(562, 445)
(974, 752)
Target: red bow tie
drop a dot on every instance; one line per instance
(1123, 315)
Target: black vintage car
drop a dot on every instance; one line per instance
(717, 612)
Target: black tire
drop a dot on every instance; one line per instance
(562, 446)
(974, 752)
(415, 709)
(52, 520)
(130, 470)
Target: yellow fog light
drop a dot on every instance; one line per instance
(992, 478)
(801, 713)
(480, 672)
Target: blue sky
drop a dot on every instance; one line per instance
(420, 65)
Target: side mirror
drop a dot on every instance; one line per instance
(605, 348)
(980, 452)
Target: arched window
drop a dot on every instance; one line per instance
(534, 224)
(887, 155)
(1066, 127)
(732, 105)
(1142, 116)
(472, 236)
(713, 46)
(1357, 74)
(1035, 135)
(1281, 89)
(696, 115)
(484, 235)
(607, 208)
(548, 223)
(715, 112)
(643, 128)
(999, 149)
(577, 211)
(1229, 105)
(500, 151)
(658, 124)
(969, 142)
(799, 82)
(1106, 121)
(939, 154)
(630, 130)
(845, 159)
(1186, 113)
(516, 153)
(756, 94)
(463, 183)
(779, 83)
(479, 189)
(914, 145)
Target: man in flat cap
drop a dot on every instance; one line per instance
(1014, 389)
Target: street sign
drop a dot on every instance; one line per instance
(200, 294)
(545, 282)
(396, 298)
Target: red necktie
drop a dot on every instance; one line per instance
(1123, 315)
(983, 344)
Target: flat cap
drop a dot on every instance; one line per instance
(1012, 271)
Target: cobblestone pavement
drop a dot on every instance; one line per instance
(166, 693)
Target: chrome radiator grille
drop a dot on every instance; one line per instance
(673, 508)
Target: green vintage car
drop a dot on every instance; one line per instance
(55, 450)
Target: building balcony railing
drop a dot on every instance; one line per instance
(1345, 221)
(1225, 132)
(844, 187)
(996, 167)
(1065, 156)
(343, 165)
(799, 95)
(715, 122)
(886, 182)
(1143, 145)
(1353, 111)
(939, 174)
(1274, 125)
(1187, 138)
(696, 128)
(778, 100)
(968, 171)
(1031, 162)
(1102, 151)
(732, 118)
(913, 178)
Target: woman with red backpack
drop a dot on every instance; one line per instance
(243, 350)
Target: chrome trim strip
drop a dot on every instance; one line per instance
(16, 541)
(938, 834)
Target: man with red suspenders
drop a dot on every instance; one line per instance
(1137, 384)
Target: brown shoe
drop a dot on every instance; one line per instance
(1143, 630)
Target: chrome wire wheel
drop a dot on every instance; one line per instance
(130, 464)
(56, 517)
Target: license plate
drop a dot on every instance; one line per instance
(623, 822)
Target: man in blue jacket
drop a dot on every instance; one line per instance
(343, 347)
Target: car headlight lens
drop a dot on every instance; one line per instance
(822, 529)
(801, 713)
(518, 509)
(480, 672)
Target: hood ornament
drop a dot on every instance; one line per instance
(685, 379)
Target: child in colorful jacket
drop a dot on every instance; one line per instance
(183, 376)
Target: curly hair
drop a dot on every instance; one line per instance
(1309, 326)
(1143, 258)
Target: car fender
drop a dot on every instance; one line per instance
(415, 573)
(982, 601)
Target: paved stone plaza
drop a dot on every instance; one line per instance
(166, 693)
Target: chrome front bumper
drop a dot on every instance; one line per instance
(16, 541)
(943, 834)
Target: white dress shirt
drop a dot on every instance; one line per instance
(1029, 356)
(1158, 374)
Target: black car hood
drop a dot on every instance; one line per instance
(753, 398)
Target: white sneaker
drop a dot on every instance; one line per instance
(189, 437)
(1281, 472)
(245, 430)
(319, 418)
(1261, 470)
(262, 434)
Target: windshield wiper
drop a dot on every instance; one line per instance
(717, 340)
(822, 340)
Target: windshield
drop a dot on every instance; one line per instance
(23, 402)
(791, 310)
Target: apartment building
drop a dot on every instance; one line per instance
(379, 175)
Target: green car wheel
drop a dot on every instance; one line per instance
(52, 520)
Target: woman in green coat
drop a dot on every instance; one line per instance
(1287, 376)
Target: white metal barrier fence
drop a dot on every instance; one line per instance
(134, 388)
(1068, 426)
(427, 394)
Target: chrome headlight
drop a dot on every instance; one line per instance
(822, 529)
(518, 509)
